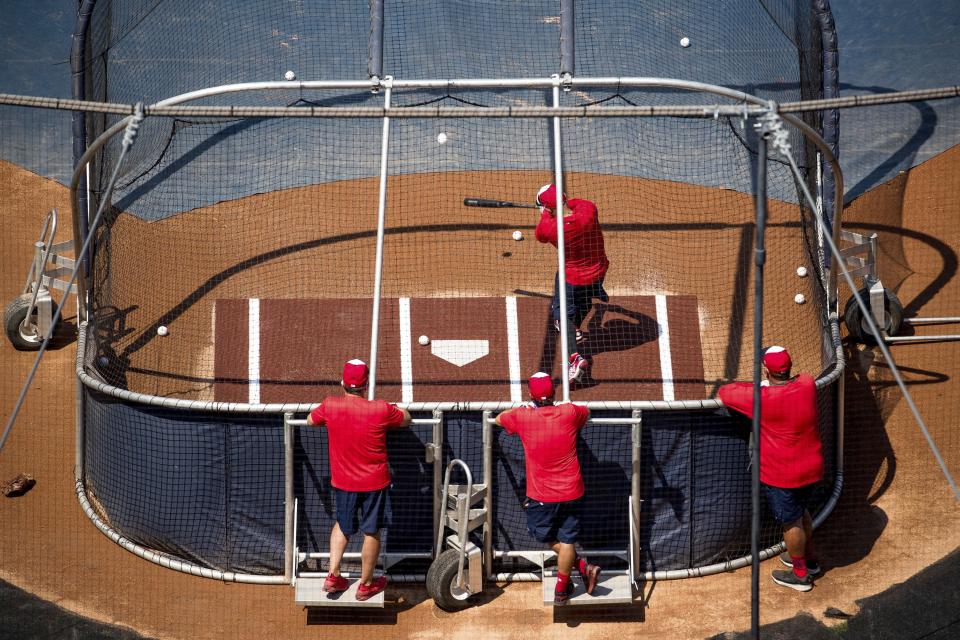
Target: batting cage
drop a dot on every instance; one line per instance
(360, 181)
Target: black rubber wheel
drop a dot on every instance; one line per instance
(16, 312)
(441, 581)
(857, 326)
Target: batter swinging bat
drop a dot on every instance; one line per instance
(484, 202)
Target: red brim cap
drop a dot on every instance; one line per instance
(777, 360)
(547, 196)
(355, 374)
(541, 386)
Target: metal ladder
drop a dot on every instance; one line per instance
(28, 317)
(885, 308)
(457, 573)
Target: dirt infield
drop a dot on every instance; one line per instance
(895, 516)
(299, 244)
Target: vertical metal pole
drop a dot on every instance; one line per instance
(437, 475)
(378, 267)
(561, 254)
(375, 40)
(488, 497)
(841, 417)
(81, 426)
(287, 497)
(636, 437)
(567, 24)
(759, 254)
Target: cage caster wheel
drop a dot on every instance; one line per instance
(23, 336)
(442, 582)
(857, 326)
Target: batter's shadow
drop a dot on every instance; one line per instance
(609, 327)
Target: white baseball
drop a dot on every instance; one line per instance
(517, 235)
(162, 330)
(684, 42)
(442, 138)
(802, 272)
(799, 298)
(424, 340)
(290, 75)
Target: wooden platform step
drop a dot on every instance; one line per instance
(310, 593)
(614, 588)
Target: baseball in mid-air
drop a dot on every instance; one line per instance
(424, 340)
(802, 272)
(290, 75)
(518, 235)
(162, 330)
(684, 41)
(799, 298)
(442, 138)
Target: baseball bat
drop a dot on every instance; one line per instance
(486, 202)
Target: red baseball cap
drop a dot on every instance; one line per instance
(547, 196)
(541, 386)
(355, 374)
(777, 360)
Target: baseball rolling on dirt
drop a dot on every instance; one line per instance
(684, 42)
(442, 138)
(518, 235)
(162, 330)
(290, 75)
(802, 272)
(424, 340)
(799, 298)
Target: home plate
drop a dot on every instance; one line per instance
(460, 352)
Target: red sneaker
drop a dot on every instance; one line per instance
(562, 596)
(590, 577)
(367, 591)
(335, 584)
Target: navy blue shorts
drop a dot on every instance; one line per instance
(367, 511)
(550, 522)
(788, 505)
(579, 299)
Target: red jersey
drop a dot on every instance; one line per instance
(790, 451)
(586, 260)
(549, 436)
(357, 433)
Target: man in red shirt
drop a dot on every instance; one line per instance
(791, 459)
(585, 267)
(554, 484)
(357, 434)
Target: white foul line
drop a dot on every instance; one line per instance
(666, 362)
(253, 350)
(406, 352)
(513, 349)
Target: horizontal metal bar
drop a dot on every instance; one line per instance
(550, 554)
(855, 250)
(532, 83)
(301, 422)
(394, 577)
(355, 555)
(906, 339)
(919, 321)
(860, 271)
(600, 421)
